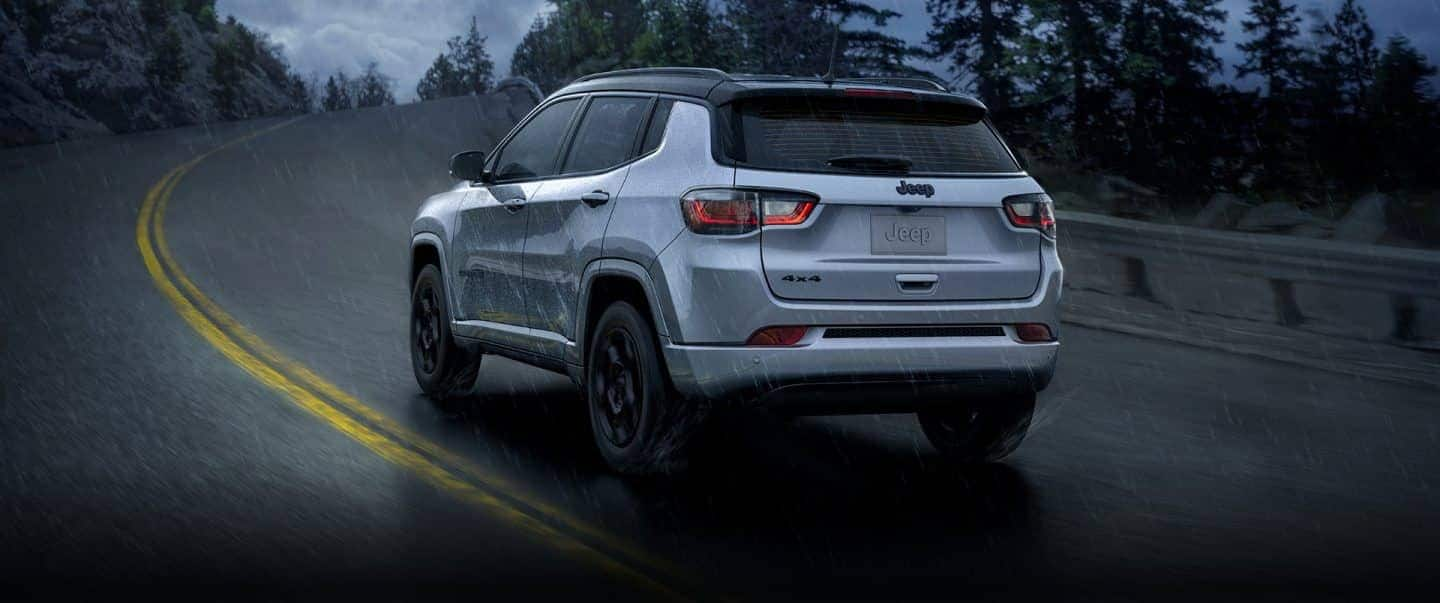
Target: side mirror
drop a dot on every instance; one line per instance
(468, 166)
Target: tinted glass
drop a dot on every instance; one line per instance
(807, 133)
(656, 131)
(607, 133)
(531, 153)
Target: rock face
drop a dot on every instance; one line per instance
(1221, 211)
(76, 68)
(1366, 221)
(1275, 216)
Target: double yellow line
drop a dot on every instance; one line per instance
(438, 466)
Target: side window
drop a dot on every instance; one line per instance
(607, 133)
(531, 152)
(656, 131)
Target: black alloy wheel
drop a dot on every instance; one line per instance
(618, 382)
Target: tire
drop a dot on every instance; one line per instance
(980, 432)
(444, 370)
(640, 425)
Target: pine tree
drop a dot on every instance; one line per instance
(1072, 62)
(166, 64)
(226, 72)
(1272, 54)
(464, 68)
(1338, 82)
(1169, 55)
(1347, 54)
(471, 61)
(1405, 116)
(577, 38)
(301, 94)
(441, 80)
(795, 37)
(203, 12)
(373, 88)
(979, 39)
(789, 37)
(337, 93)
(155, 13)
(684, 33)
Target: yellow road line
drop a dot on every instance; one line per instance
(402, 446)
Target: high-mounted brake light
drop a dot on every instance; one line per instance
(876, 93)
(1035, 211)
(724, 211)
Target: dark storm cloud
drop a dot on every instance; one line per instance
(403, 36)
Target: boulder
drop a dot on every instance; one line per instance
(1275, 216)
(1221, 211)
(1314, 230)
(1367, 221)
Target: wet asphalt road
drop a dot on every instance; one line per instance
(133, 455)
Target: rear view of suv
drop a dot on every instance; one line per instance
(674, 240)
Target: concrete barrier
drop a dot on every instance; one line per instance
(1378, 306)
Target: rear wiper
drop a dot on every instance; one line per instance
(888, 164)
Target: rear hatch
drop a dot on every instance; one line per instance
(909, 200)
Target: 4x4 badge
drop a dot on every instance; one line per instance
(915, 189)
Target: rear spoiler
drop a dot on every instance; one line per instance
(730, 92)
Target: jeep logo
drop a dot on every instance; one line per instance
(900, 233)
(915, 189)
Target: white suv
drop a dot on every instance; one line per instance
(676, 238)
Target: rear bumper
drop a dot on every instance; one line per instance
(863, 375)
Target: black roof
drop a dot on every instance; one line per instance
(720, 87)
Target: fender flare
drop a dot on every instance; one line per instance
(431, 239)
(614, 267)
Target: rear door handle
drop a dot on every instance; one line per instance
(596, 198)
(514, 205)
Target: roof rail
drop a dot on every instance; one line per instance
(901, 82)
(678, 71)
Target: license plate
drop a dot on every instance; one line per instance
(907, 235)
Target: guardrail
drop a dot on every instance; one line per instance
(1366, 292)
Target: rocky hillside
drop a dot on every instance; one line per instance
(76, 68)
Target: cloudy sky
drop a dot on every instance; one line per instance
(404, 36)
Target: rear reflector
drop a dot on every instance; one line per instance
(777, 336)
(1033, 332)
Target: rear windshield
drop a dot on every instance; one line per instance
(810, 133)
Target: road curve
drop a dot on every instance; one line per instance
(140, 451)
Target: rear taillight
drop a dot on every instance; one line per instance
(777, 336)
(1032, 211)
(720, 211)
(724, 211)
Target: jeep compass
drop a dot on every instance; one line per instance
(678, 239)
